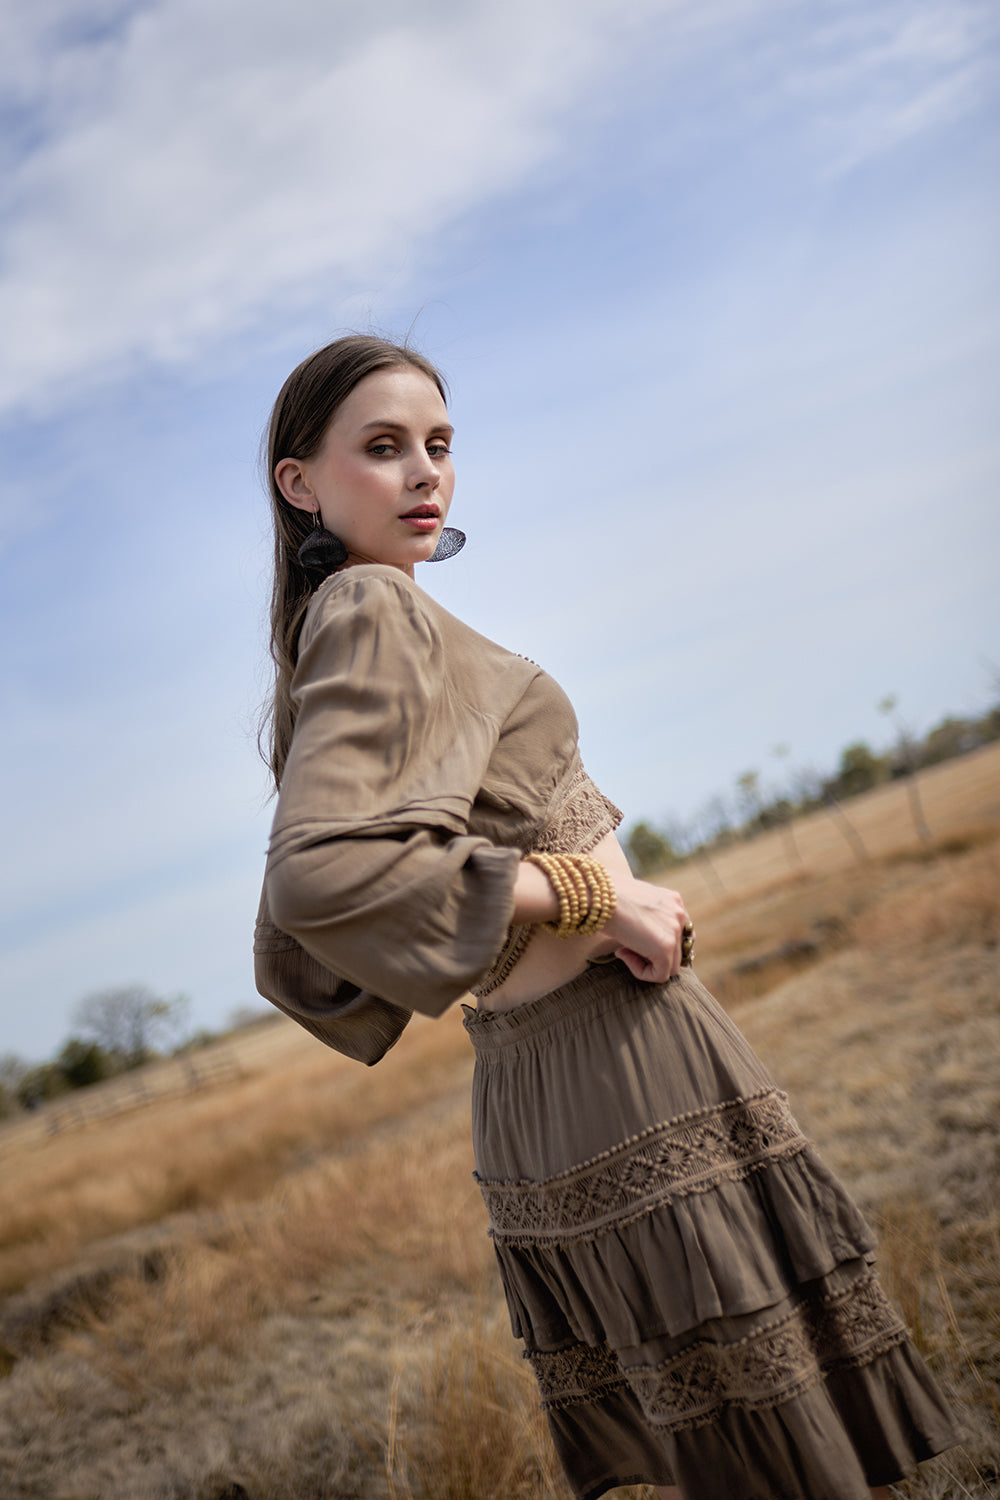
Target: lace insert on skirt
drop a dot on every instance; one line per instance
(775, 1363)
(691, 1154)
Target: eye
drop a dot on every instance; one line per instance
(438, 450)
(380, 450)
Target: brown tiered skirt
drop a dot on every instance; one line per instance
(694, 1288)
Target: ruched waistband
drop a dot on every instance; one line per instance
(600, 987)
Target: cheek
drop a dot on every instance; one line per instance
(352, 485)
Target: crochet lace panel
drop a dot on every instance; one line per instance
(691, 1154)
(772, 1365)
(580, 818)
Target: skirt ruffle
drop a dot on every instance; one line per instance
(694, 1288)
(860, 1427)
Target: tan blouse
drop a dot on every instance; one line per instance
(425, 761)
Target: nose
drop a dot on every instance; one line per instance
(423, 474)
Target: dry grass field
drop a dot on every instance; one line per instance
(278, 1286)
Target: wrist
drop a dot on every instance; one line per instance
(535, 898)
(584, 891)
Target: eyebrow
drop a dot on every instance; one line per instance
(386, 424)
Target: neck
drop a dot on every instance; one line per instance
(353, 558)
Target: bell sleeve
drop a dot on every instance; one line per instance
(336, 1012)
(371, 868)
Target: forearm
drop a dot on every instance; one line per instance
(415, 921)
(535, 899)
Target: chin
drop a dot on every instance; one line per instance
(421, 549)
(418, 549)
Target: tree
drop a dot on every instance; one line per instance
(710, 826)
(12, 1070)
(748, 786)
(83, 1063)
(714, 822)
(949, 738)
(860, 769)
(648, 850)
(41, 1084)
(907, 759)
(807, 788)
(129, 1021)
(783, 808)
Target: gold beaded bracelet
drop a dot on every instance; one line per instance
(584, 890)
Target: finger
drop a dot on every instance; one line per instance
(638, 966)
(672, 952)
(642, 968)
(634, 962)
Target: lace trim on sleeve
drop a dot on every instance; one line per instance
(580, 819)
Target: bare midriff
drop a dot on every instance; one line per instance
(548, 961)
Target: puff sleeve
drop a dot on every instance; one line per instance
(371, 868)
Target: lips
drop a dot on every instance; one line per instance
(424, 512)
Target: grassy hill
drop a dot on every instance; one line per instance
(273, 1280)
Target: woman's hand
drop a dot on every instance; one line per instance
(648, 925)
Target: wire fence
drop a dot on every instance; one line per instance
(219, 1062)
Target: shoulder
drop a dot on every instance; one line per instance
(369, 613)
(379, 595)
(365, 590)
(372, 619)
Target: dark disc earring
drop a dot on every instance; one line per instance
(322, 551)
(450, 541)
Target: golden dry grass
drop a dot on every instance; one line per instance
(208, 1149)
(281, 1286)
(889, 1051)
(961, 799)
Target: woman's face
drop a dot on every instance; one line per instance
(382, 479)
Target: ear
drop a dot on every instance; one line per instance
(290, 477)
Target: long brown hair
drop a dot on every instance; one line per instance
(303, 411)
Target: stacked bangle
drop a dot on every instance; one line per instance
(586, 895)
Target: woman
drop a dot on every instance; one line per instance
(694, 1289)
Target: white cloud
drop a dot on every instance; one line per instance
(882, 74)
(183, 169)
(209, 160)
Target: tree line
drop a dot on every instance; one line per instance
(754, 808)
(116, 1030)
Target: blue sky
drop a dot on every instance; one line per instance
(714, 283)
